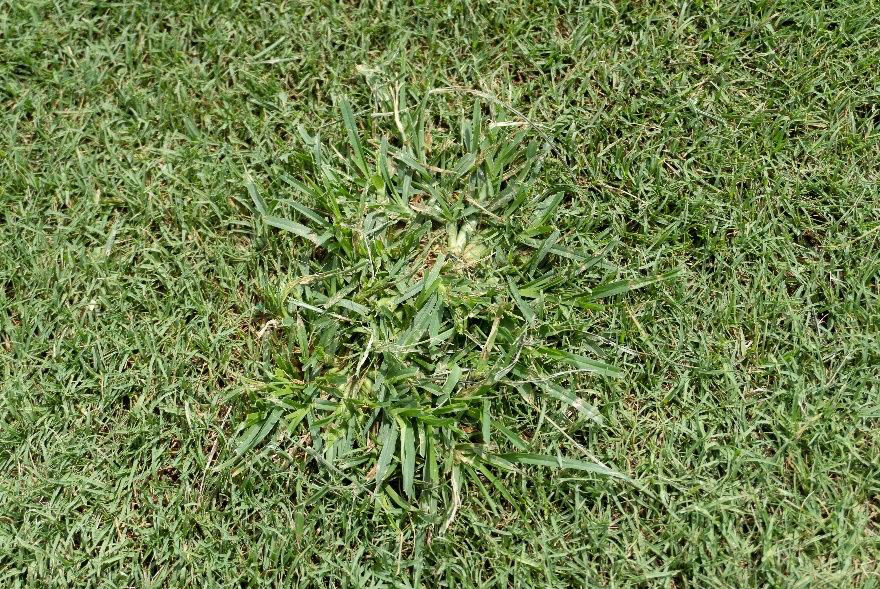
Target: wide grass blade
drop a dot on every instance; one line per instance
(257, 432)
(562, 463)
(353, 137)
(581, 362)
(296, 229)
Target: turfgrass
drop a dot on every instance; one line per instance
(735, 142)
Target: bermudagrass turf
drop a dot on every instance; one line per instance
(140, 294)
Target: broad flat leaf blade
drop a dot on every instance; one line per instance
(587, 410)
(560, 462)
(524, 307)
(353, 137)
(408, 458)
(259, 203)
(295, 228)
(258, 432)
(542, 251)
(388, 439)
(611, 289)
(582, 362)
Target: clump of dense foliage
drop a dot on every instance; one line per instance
(435, 300)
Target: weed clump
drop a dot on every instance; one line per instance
(432, 307)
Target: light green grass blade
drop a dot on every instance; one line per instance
(353, 137)
(582, 362)
(295, 228)
(562, 463)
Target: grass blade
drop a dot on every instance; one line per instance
(388, 441)
(259, 203)
(582, 362)
(295, 228)
(353, 137)
(524, 307)
(408, 458)
(257, 432)
(560, 462)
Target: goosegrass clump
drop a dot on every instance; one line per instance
(435, 301)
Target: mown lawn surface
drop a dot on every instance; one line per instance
(733, 144)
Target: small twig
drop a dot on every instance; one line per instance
(269, 325)
(395, 103)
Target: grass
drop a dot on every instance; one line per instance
(415, 331)
(145, 303)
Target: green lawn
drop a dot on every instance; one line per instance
(152, 318)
